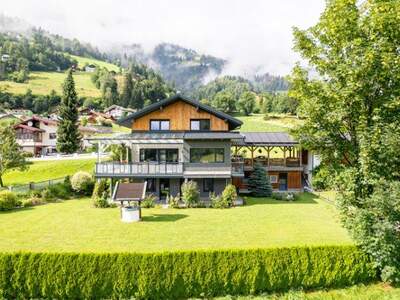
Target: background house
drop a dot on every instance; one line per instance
(118, 112)
(38, 135)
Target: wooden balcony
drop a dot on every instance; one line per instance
(274, 164)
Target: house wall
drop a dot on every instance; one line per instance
(179, 114)
(207, 144)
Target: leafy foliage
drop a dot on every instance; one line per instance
(259, 183)
(246, 103)
(181, 274)
(149, 201)
(82, 182)
(8, 200)
(10, 154)
(351, 109)
(190, 193)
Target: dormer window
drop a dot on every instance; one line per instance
(200, 124)
(159, 125)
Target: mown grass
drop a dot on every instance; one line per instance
(82, 61)
(41, 83)
(358, 292)
(276, 123)
(74, 225)
(45, 170)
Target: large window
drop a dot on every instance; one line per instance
(159, 155)
(207, 155)
(200, 125)
(159, 124)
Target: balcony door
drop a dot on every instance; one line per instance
(283, 179)
(164, 188)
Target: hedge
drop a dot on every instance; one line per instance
(180, 274)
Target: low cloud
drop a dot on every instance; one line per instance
(254, 34)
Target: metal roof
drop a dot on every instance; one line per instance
(127, 121)
(267, 139)
(173, 135)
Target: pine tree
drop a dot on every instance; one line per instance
(126, 94)
(259, 183)
(68, 136)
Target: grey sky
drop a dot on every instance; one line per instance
(248, 33)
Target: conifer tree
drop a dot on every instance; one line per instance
(259, 183)
(126, 94)
(68, 136)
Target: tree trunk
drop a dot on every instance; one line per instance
(1, 181)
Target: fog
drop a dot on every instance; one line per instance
(253, 35)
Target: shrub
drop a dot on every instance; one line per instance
(217, 201)
(179, 275)
(8, 200)
(67, 183)
(229, 194)
(59, 191)
(47, 195)
(277, 196)
(100, 202)
(149, 201)
(82, 183)
(322, 178)
(32, 201)
(35, 193)
(100, 189)
(190, 193)
(173, 201)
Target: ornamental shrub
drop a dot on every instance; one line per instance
(82, 183)
(32, 201)
(190, 193)
(229, 194)
(149, 201)
(101, 189)
(173, 201)
(8, 200)
(217, 201)
(180, 275)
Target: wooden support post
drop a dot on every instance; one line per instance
(127, 154)
(300, 151)
(268, 155)
(252, 156)
(284, 156)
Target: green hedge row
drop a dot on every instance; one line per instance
(180, 274)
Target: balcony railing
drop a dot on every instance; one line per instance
(163, 169)
(289, 162)
(139, 168)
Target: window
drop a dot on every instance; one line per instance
(208, 185)
(159, 124)
(273, 178)
(200, 125)
(207, 155)
(151, 185)
(52, 136)
(159, 155)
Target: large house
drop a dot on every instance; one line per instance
(117, 112)
(179, 139)
(38, 135)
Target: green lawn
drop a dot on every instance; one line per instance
(45, 170)
(369, 292)
(84, 60)
(257, 122)
(74, 225)
(41, 83)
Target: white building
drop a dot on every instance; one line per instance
(118, 112)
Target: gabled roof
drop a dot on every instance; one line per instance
(127, 121)
(29, 128)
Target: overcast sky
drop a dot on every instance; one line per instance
(249, 33)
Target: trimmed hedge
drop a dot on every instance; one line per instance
(180, 274)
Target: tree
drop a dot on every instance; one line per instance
(259, 183)
(247, 102)
(351, 106)
(224, 101)
(68, 136)
(126, 94)
(10, 154)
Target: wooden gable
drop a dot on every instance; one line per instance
(179, 114)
